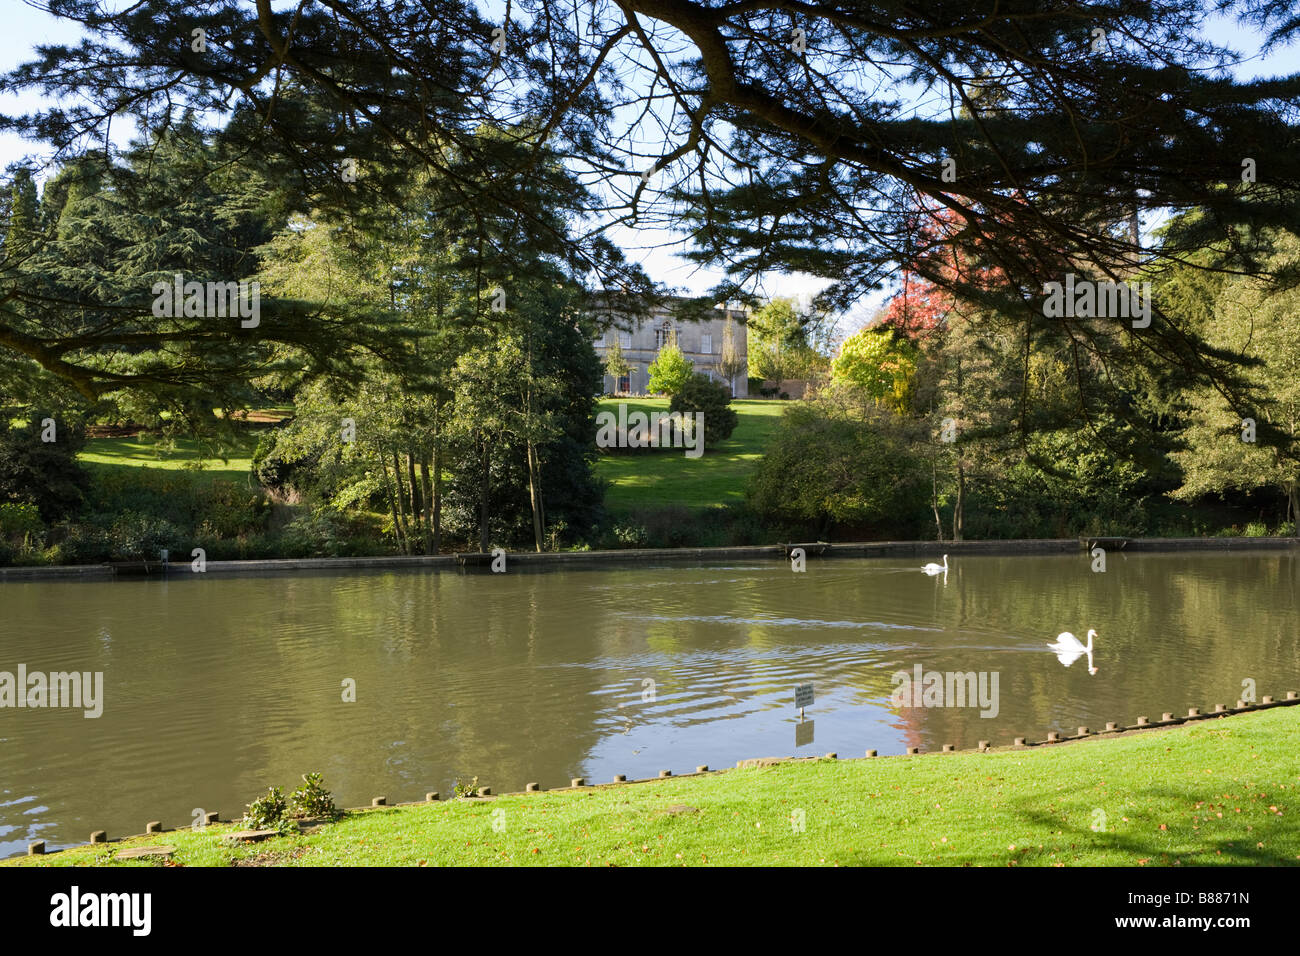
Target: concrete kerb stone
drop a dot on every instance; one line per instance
(579, 783)
(144, 852)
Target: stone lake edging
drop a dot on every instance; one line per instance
(531, 559)
(1167, 719)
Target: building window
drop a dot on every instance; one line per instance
(625, 339)
(706, 343)
(624, 384)
(600, 341)
(663, 334)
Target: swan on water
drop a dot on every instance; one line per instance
(933, 568)
(1069, 649)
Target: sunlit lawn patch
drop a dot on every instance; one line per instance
(668, 477)
(1212, 792)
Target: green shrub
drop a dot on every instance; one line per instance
(19, 519)
(21, 530)
(226, 510)
(826, 466)
(41, 473)
(629, 535)
(86, 542)
(713, 399)
(126, 537)
(466, 789)
(671, 526)
(136, 537)
(302, 474)
(312, 799)
(270, 812)
(322, 533)
(216, 508)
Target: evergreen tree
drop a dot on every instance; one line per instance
(1041, 126)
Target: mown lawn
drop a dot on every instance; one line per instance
(1216, 792)
(654, 479)
(186, 454)
(659, 478)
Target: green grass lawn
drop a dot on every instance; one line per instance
(186, 454)
(1212, 792)
(668, 477)
(656, 479)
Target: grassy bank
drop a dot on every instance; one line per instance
(185, 454)
(144, 495)
(1215, 792)
(655, 479)
(668, 478)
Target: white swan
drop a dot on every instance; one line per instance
(933, 568)
(1069, 649)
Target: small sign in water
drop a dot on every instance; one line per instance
(803, 733)
(803, 696)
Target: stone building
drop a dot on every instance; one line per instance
(701, 343)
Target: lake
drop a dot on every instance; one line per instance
(216, 687)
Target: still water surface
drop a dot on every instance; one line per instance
(216, 687)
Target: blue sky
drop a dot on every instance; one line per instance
(25, 26)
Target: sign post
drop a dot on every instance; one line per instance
(803, 697)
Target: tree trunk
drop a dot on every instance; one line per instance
(436, 464)
(934, 496)
(392, 505)
(484, 484)
(401, 505)
(427, 493)
(437, 503)
(417, 506)
(959, 508)
(958, 511)
(535, 496)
